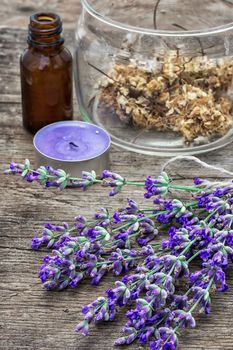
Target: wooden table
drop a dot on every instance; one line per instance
(31, 318)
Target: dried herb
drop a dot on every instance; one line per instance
(185, 95)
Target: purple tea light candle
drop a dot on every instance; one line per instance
(73, 146)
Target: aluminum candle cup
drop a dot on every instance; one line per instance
(73, 146)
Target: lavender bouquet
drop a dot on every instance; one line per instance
(152, 247)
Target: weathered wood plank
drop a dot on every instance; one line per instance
(15, 13)
(31, 318)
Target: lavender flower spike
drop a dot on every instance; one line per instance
(199, 229)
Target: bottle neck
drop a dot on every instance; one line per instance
(45, 31)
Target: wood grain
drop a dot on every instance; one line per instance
(15, 13)
(30, 318)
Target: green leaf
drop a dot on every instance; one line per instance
(62, 173)
(42, 171)
(82, 239)
(24, 173)
(64, 185)
(165, 176)
(59, 254)
(27, 163)
(93, 173)
(51, 243)
(107, 237)
(61, 180)
(119, 183)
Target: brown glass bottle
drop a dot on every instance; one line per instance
(46, 74)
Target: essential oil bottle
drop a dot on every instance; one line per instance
(46, 74)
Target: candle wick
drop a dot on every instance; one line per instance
(72, 144)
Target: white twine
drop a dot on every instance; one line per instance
(197, 161)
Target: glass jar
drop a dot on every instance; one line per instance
(157, 75)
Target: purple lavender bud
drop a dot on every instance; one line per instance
(197, 181)
(117, 217)
(50, 285)
(99, 233)
(116, 181)
(68, 251)
(146, 334)
(47, 233)
(221, 259)
(202, 295)
(53, 227)
(128, 339)
(194, 277)
(101, 310)
(65, 225)
(181, 269)
(220, 277)
(83, 251)
(89, 316)
(13, 166)
(166, 218)
(166, 333)
(83, 328)
(144, 307)
(229, 251)
(46, 259)
(75, 281)
(120, 295)
(168, 261)
(179, 302)
(169, 346)
(156, 345)
(219, 192)
(169, 285)
(39, 242)
(157, 186)
(64, 284)
(112, 311)
(102, 216)
(135, 319)
(144, 241)
(198, 293)
(102, 315)
(81, 219)
(132, 208)
(86, 309)
(117, 268)
(183, 318)
(168, 205)
(115, 191)
(51, 243)
(108, 174)
(166, 339)
(146, 251)
(156, 191)
(30, 178)
(49, 169)
(49, 184)
(160, 295)
(102, 271)
(229, 238)
(205, 254)
(216, 202)
(44, 273)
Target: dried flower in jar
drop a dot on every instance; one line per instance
(185, 95)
